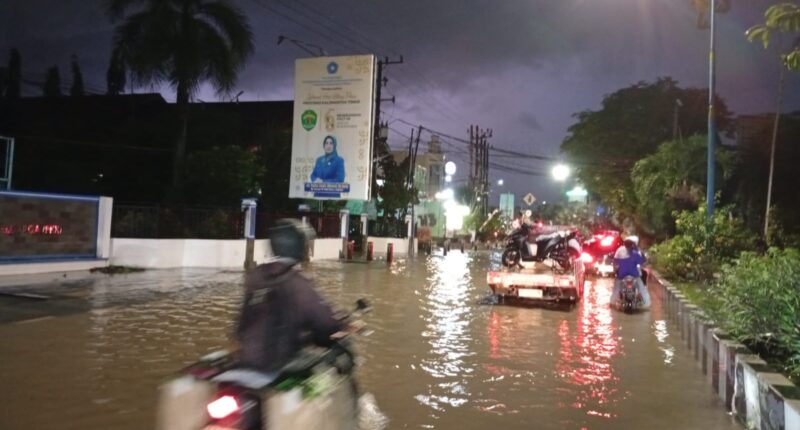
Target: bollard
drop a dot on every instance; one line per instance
(462, 247)
(369, 251)
(389, 253)
(444, 248)
(351, 247)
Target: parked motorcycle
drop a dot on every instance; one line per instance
(316, 389)
(525, 245)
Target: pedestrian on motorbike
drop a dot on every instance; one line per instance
(282, 312)
(628, 260)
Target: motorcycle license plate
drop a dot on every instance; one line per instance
(531, 293)
(532, 248)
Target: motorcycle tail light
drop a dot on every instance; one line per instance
(587, 258)
(607, 241)
(222, 407)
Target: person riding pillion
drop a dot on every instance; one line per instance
(628, 260)
(282, 312)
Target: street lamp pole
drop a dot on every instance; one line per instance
(712, 126)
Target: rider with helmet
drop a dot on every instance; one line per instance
(628, 261)
(282, 312)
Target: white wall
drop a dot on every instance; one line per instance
(379, 244)
(163, 253)
(326, 249)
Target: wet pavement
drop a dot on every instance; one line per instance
(90, 353)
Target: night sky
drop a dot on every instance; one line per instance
(519, 67)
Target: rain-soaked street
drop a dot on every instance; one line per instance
(441, 355)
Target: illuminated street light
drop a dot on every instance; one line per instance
(448, 178)
(500, 182)
(450, 168)
(561, 172)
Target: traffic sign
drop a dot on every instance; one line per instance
(529, 199)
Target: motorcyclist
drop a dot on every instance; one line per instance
(282, 312)
(627, 261)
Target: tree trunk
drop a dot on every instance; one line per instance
(772, 153)
(179, 156)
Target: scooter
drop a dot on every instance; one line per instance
(523, 246)
(315, 390)
(629, 295)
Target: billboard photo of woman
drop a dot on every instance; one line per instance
(329, 167)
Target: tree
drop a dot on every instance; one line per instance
(222, 175)
(115, 75)
(604, 145)
(781, 18)
(14, 77)
(183, 43)
(52, 84)
(673, 179)
(77, 78)
(703, 7)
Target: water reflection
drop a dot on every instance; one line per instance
(586, 356)
(446, 308)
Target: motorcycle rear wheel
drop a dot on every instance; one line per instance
(510, 258)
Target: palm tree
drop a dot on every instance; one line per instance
(183, 43)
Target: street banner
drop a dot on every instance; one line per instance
(333, 128)
(507, 205)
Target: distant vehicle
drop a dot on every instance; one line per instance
(629, 299)
(598, 252)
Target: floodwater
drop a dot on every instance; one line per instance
(441, 355)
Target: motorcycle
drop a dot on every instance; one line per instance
(524, 245)
(630, 298)
(317, 389)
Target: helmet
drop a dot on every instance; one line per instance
(289, 239)
(633, 239)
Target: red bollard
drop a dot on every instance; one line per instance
(351, 247)
(389, 253)
(369, 251)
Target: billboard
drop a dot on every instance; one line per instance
(507, 204)
(332, 128)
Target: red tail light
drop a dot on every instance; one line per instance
(587, 258)
(222, 407)
(607, 241)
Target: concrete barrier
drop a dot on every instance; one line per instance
(755, 393)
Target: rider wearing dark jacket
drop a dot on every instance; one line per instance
(282, 312)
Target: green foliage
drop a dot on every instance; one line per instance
(605, 144)
(701, 247)
(779, 18)
(757, 299)
(673, 179)
(222, 175)
(394, 194)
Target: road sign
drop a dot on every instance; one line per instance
(529, 199)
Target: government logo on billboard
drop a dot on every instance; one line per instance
(333, 128)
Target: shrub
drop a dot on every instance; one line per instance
(700, 248)
(757, 300)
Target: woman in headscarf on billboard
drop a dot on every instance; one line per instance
(329, 166)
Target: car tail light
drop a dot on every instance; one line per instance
(607, 241)
(587, 258)
(222, 407)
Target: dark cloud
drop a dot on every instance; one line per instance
(520, 67)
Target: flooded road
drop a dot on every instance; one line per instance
(442, 356)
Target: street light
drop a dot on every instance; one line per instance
(712, 126)
(560, 172)
(500, 182)
(450, 168)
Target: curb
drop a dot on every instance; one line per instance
(758, 395)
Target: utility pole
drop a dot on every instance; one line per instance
(381, 82)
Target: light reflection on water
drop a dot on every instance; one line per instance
(439, 357)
